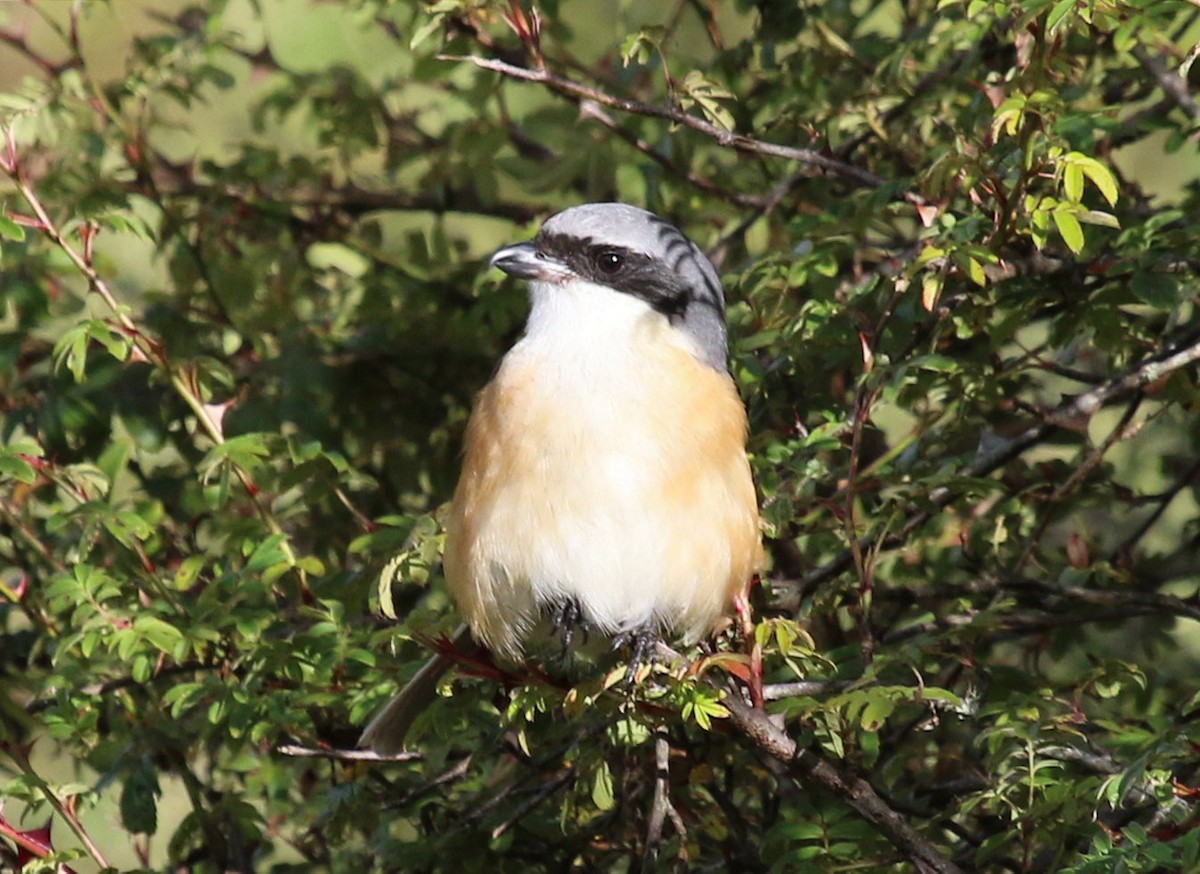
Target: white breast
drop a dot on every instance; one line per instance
(604, 464)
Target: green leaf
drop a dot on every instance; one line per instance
(875, 714)
(182, 697)
(245, 451)
(703, 705)
(267, 553)
(124, 221)
(337, 256)
(602, 788)
(1073, 182)
(708, 96)
(158, 633)
(640, 47)
(1097, 173)
(1068, 228)
(426, 30)
(16, 465)
(1156, 289)
(10, 230)
(1059, 12)
(1103, 219)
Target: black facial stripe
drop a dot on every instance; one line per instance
(646, 278)
(679, 250)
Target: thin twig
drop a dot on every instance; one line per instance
(661, 806)
(776, 691)
(547, 789)
(1172, 84)
(35, 843)
(452, 774)
(1163, 501)
(1121, 431)
(346, 755)
(591, 109)
(994, 453)
(148, 349)
(854, 791)
(578, 91)
(64, 809)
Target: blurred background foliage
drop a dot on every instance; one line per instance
(243, 310)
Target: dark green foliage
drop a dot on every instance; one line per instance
(244, 306)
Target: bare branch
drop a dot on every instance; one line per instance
(579, 92)
(1172, 84)
(1163, 501)
(661, 806)
(852, 790)
(591, 109)
(545, 791)
(767, 734)
(346, 755)
(1121, 431)
(777, 691)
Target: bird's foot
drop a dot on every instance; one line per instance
(567, 620)
(641, 642)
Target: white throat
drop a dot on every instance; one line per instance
(581, 307)
(581, 320)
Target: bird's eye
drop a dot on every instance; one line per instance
(609, 262)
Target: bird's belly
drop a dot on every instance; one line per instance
(635, 503)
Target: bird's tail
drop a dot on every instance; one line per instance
(386, 732)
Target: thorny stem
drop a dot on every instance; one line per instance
(146, 348)
(64, 809)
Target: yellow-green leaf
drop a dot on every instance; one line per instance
(1073, 182)
(602, 788)
(1069, 229)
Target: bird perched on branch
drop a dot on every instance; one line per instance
(605, 480)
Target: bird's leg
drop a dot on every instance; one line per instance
(641, 642)
(565, 620)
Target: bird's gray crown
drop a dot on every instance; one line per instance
(636, 252)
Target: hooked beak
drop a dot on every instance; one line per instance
(524, 262)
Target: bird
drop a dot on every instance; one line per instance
(605, 482)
